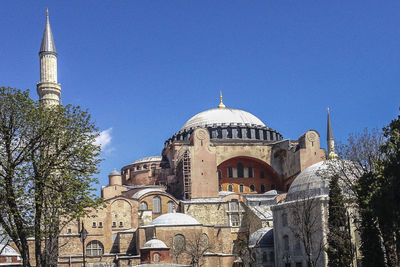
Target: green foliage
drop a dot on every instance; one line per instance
(339, 243)
(47, 162)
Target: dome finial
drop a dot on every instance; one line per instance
(47, 12)
(221, 105)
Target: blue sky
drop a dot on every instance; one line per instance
(143, 68)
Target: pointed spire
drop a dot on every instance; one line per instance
(329, 132)
(221, 105)
(47, 40)
(329, 139)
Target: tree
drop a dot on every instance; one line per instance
(47, 160)
(196, 246)
(339, 243)
(376, 163)
(307, 226)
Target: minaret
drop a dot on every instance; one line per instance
(329, 139)
(221, 105)
(48, 89)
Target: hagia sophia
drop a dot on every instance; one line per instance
(219, 193)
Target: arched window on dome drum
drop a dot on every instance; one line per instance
(230, 187)
(248, 133)
(240, 170)
(143, 205)
(157, 205)
(257, 134)
(241, 188)
(262, 189)
(239, 132)
(252, 188)
(219, 133)
(94, 248)
(179, 244)
(170, 207)
(229, 132)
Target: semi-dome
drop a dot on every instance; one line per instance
(314, 181)
(174, 219)
(222, 116)
(154, 243)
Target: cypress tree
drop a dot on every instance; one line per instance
(339, 243)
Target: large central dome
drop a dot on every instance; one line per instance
(222, 116)
(227, 125)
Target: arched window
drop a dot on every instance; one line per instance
(179, 243)
(143, 205)
(264, 257)
(230, 187)
(157, 205)
(230, 172)
(262, 188)
(156, 257)
(241, 188)
(285, 242)
(240, 170)
(170, 207)
(204, 241)
(250, 169)
(284, 219)
(94, 248)
(252, 188)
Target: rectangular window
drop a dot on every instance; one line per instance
(235, 220)
(114, 224)
(100, 224)
(94, 225)
(230, 172)
(69, 231)
(121, 224)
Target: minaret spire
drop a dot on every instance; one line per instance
(329, 139)
(221, 104)
(48, 89)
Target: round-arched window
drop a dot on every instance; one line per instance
(157, 205)
(230, 187)
(252, 188)
(156, 257)
(143, 205)
(170, 207)
(94, 248)
(179, 243)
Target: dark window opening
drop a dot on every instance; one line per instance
(230, 172)
(250, 172)
(262, 174)
(240, 170)
(262, 189)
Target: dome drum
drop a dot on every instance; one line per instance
(245, 132)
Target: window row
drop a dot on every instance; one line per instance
(114, 224)
(157, 205)
(241, 188)
(241, 172)
(97, 225)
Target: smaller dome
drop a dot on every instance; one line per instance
(148, 159)
(263, 237)
(314, 181)
(154, 243)
(114, 173)
(174, 219)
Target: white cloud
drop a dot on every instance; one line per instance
(104, 139)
